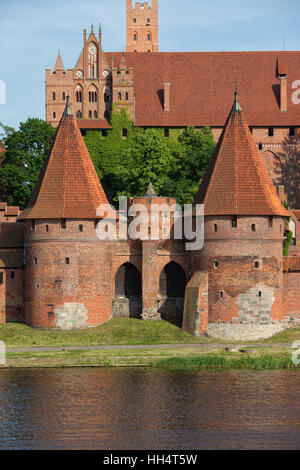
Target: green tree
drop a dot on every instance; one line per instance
(26, 150)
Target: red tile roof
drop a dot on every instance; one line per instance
(202, 85)
(68, 186)
(296, 212)
(3, 206)
(236, 181)
(12, 211)
(93, 124)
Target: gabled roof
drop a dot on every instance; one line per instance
(202, 84)
(68, 186)
(12, 211)
(236, 181)
(59, 66)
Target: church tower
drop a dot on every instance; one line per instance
(142, 26)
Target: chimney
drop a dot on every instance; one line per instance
(167, 87)
(283, 93)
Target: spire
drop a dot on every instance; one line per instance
(236, 105)
(59, 66)
(68, 111)
(68, 186)
(236, 181)
(150, 191)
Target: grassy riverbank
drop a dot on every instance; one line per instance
(172, 358)
(115, 332)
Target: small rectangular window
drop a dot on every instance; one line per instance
(64, 223)
(292, 131)
(256, 264)
(270, 223)
(216, 264)
(67, 260)
(215, 227)
(271, 131)
(234, 222)
(35, 260)
(253, 228)
(1, 278)
(33, 224)
(12, 274)
(80, 228)
(47, 228)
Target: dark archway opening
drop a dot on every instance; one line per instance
(172, 285)
(127, 302)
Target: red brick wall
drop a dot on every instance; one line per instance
(141, 27)
(236, 250)
(11, 296)
(291, 294)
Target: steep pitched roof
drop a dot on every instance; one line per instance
(68, 186)
(201, 87)
(59, 66)
(236, 181)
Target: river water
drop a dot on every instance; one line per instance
(96, 408)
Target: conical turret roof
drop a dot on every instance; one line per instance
(236, 181)
(59, 66)
(68, 186)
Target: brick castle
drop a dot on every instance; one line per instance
(55, 271)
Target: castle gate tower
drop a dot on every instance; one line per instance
(244, 224)
(67, 267)
(142, 27)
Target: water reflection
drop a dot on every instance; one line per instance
(148, 409)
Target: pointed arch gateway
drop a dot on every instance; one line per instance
(172, 283)
(127, 302)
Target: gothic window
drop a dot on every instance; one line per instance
(95, 96)
(90, 114)
(78, 115)
(127, 97)
(93, 61)
(54, 115)
(120, 96)
(78, 96)
(135, 37)
(149, 37)
(54, 96)
(90, 96)
(63, 96)
(95, 114)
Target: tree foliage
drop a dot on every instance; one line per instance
(174, 165)
(125, 165)
(26, 150)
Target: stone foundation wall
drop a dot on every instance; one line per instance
(71, 315)
(124, 307)
(242, 332)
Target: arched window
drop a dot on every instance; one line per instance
(120, 97)
(63, 96)
(93, 61)
(78, 115)
(54, 96)
(90, 96)
(90, 115)
(95, 115)
(96, 97)
(128, 281)
(148, 36)
(172, 281)
(135, 36)
(127, 97)
(54, 115)
(78, 96)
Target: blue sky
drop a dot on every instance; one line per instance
(32, 31)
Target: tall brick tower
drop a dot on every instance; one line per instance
(142, 27)
(244, 223)
(67, 278)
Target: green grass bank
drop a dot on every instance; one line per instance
(115, 332)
